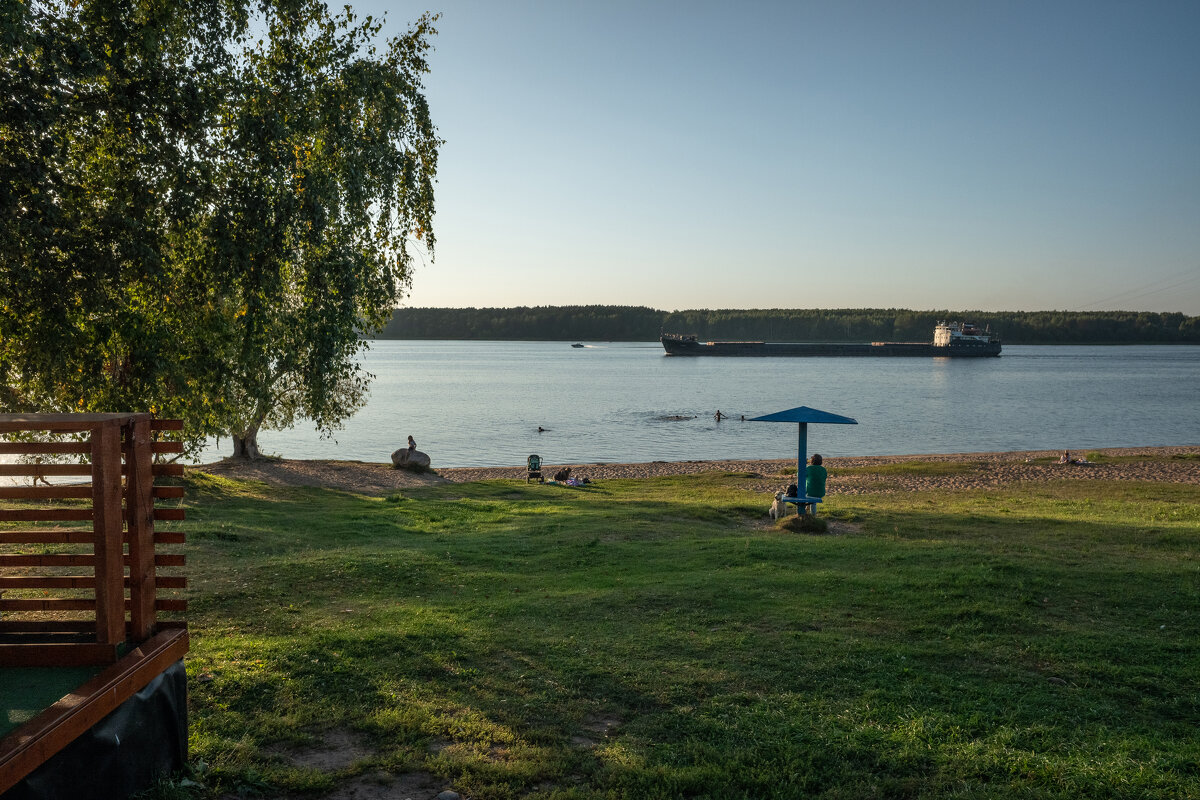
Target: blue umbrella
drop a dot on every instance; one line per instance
(804, 415)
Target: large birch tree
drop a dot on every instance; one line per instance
(201, 222)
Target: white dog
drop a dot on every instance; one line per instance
(778, 507)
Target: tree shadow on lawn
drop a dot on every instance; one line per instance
(492, 718)
(690, 653)
(523, 724)
(461, 709)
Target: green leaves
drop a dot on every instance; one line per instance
(97, 142)
(318, 195)
(199, 225)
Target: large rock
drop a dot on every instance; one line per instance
(412, 460)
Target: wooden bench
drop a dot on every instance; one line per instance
(802, 503)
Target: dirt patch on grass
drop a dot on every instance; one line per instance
(382, 786)
(993, 470)
(438, 745)
(348, 476)
(594, 729)
(987, 470)
(338, 749)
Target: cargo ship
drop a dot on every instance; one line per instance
(950, 340)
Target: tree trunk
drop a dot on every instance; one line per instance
(246, 446)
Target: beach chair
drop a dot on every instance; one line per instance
(535, 469)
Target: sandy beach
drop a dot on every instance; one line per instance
(981, 470)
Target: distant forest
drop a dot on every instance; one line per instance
(642, 324)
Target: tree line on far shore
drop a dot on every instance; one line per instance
(641, 324)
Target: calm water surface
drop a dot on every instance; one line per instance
(481, 403)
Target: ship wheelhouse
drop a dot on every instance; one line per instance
(961, 335)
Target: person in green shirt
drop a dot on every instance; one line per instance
(814, 478)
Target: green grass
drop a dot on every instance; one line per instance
(932, 468)
(658, 639)
(1097, 457)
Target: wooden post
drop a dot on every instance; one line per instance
(139, 505)
(107, 527)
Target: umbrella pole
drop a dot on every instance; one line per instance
(801, 458)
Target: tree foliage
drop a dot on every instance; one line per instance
(328, 157)
(101, 132)
(200, 222)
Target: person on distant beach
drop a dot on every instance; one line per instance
(814, 478)
(412, 444)
(1065, 458)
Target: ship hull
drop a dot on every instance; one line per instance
(678, 346)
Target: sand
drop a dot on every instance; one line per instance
(981, 470)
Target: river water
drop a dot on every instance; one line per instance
(481, 403)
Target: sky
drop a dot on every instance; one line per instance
(949, 154)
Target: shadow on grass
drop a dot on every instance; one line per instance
(642, 641)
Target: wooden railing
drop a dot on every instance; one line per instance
(70, 594)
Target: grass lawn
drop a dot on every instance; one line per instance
(657, 639)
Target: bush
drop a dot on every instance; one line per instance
(803, 523)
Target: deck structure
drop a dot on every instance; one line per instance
(82, 569)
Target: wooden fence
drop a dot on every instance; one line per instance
(71, 594)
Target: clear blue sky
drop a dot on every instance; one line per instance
(958, 154)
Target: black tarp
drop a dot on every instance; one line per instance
(122, 754)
